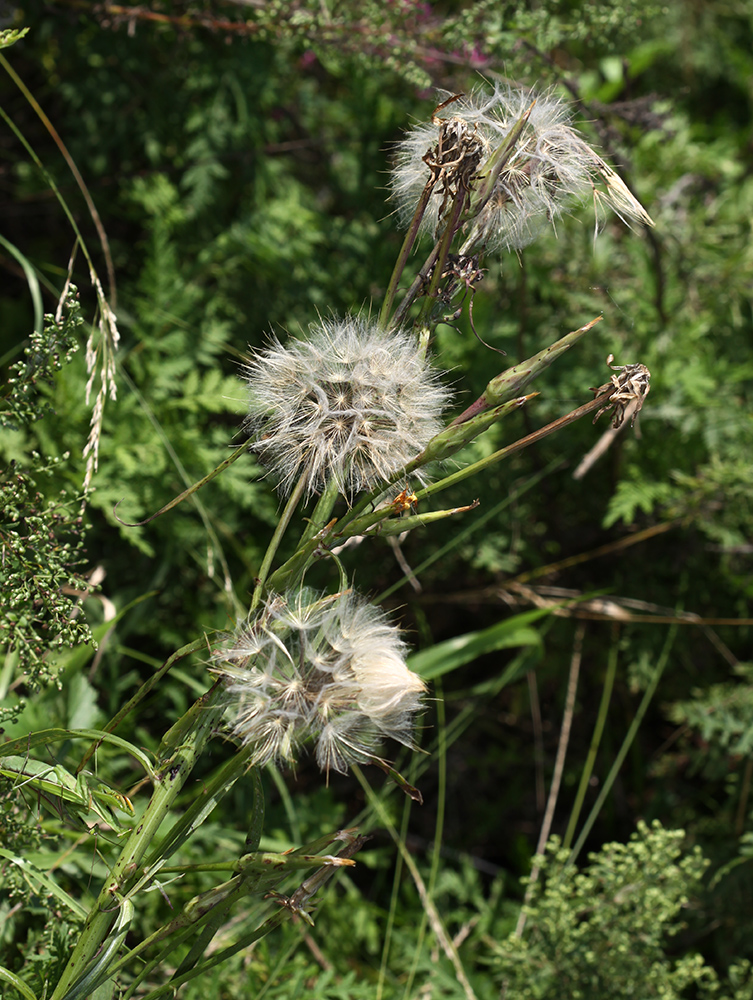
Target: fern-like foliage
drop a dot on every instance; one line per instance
(633, 496)
(721, 714)
(605, 931)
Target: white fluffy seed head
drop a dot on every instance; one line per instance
(325, 670)
(351, 402)
(550, 168)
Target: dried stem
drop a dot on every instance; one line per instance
(559, 766)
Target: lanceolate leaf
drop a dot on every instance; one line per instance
(24, 744)
(447, 656)
(44, 883)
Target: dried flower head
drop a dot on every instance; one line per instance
(330, 670)
(549, 168)
(352, 403)
(631, 386)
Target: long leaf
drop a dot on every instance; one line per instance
(43, 883)
(31, 280)
(24, 744)
(16, 983)
(447, 656)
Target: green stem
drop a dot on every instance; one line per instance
(405, 249)
(495, 165)
(224, 779)
(459, 538)
(230, 865)
(357, 521)
(513, 381)
(601, 719)
(322, 512)
(173, 769)
(291, 572)
(211, 792)
(18, 984)
(626, 744)
(194, 488)
(169, 989)
(497, 400)
(524, 442)
(198, 909)
(205, 936)
(142, 692)
(370, 500)
(158, 961)
(417, 284)
(444, 251)
(274, 544)
(99, 971)
(255, 874)
(454, 437)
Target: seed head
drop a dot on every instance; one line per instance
(352, 402)
(550, 168)
(330, 670)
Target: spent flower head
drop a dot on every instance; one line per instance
(353, 403)
(548, 169)
(329, 670)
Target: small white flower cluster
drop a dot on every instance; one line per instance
(325, 669)
(353, 403)
(549, 168)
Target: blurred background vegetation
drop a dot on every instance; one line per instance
(238, 157)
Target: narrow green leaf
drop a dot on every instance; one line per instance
(16, 983)
(24, 744)
(42, 881)
(98, 971)
(29, 273)
(447, 656)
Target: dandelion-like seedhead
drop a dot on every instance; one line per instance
(330, 670)
(352, 403)
(550, 167)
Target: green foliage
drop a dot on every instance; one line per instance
(49, 350)
(582, 26)
(443, 657)
(9, 36)
(42, 539)
(238, 160)
(605, 930)
(633, 495)
(721, 714)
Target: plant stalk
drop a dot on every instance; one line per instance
(274, 544)
(172, 772)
